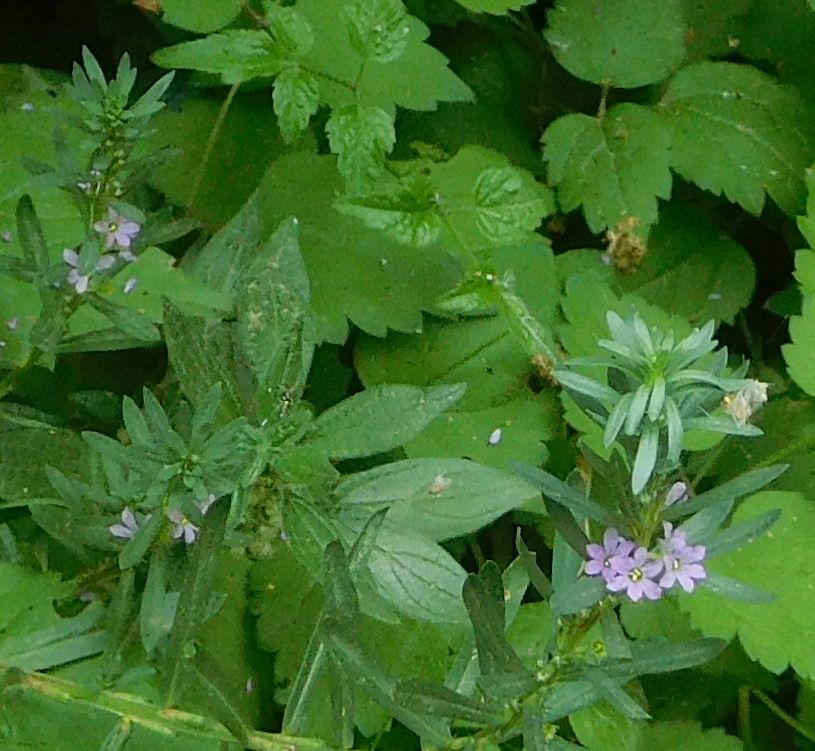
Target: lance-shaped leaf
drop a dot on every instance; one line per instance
(739, 534)
(739, 486)
(379, 419)
(614, 694)
(32, 238)
(580, 594)
(564, 494)
(735, 589)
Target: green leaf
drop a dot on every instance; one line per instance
(237, 55)
(735, 589)
(624, 45)
(137, 546)
(130, 322)
(377, 28)
(378, 419)
(32, 239)
(778, 633)
(603, 729)
(614, 694)
(200, 16)
(614, 167)
(296, 99)
(688, 251)
(495, 7)
(760, 131)
(578, 595)
(438, 498)
(564, 494)
(734, 536)
(418, 79)
(360, 137)
(418, 577)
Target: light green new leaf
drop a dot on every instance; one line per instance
(760, 131)
(614, 167)
(377, 28)
(296, 98)
(496, 7)
(360, 137)
(378, 419)
(237, 55)
(200, 16)
(438, 498)
(508, 205)
(620, 44)
(777, 634)
(418, 79)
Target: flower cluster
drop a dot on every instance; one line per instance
(626, 567)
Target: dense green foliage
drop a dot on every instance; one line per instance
(391, 375)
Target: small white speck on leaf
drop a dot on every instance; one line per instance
(495, 437)
(440, 484)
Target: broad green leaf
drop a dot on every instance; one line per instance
(361, 137)
(418, 79)
(624, 45)
(614, 167)
(237, 55)
(378, 419)
(600, 728)
(418, 577)
(714, 27)
(779, 633)
(354, 272)
(495, 7)
(506, 204)
(760, 131)
(200, 16)
(439, 498)
(687, 251)
(296, 99)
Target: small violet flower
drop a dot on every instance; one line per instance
(183, 527)
(80, 281)
(635, 575)
(129, 526)
(605, 559)
(682, 561)
(117, 230)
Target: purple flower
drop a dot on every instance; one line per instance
(182, 526)
(117, 230)
(677, 493)
(682, 561)
(80, 281)
(129, 526)
(604, 559)
(635, 576)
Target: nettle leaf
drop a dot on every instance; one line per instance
(296, 99)
(378, 419)
(615, 166)
(200, 16)
(361, 137)
(418, 79)
(236, 55)
(439, 498)
(760, 131)
(377, 28)
(780, 633)
(496, 7)
(688, 252)
(624, 45)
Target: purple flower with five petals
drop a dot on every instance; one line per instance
(635, 575)
(117, 230)
(602, 557)
(682, 562)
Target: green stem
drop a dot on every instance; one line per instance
(744, 722)
(782, 715)
(213, 137)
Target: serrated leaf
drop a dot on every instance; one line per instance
(778, 633)
(296, 99)
(200, 16)
(418, 79)
(760, 131)
(439, 498)
(377, 28)
(360, 137)
(624, 45)
(614, 167)
(495, 7)
(236, 55)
